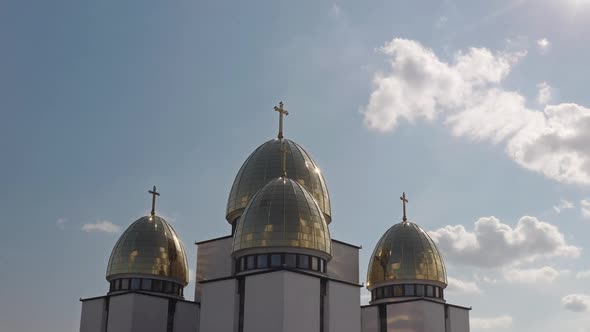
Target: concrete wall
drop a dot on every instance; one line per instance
(186, 318)
(135, 312)
(345, 263)
(264, 298)
(282, 301)
(219, 306)
(418, 316)
(458, 319)
(213, 261)
(433, 317)
(150, 313)
(370, 319)
(121, 313)
(343, 307)
(301, 303)
(405, 317)
(93, 315)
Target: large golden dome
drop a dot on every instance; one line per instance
(406, 253)
(283, 215)
(264, 164)
(149, 247)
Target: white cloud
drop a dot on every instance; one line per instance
(543, 44)
(585, 208)
(493, 243)
(457, 286)
(468, 96)
(518, 43)
(101, 226)
(61, 223)
(563, 204)
(487, 279)
(500, 322)
(583, 274)
(544, 95)
(545, 274)
(576, 302)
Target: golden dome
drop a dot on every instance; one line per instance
(283, 214)
(405, 253)
(149, 247)
(264, 164)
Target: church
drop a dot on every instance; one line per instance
(278, 270)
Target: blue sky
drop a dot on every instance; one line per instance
(477, 109)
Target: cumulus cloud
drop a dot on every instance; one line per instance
(563, 204)
(544, 95)
(500, 322)
(61, 223)
(493, 243)
(585, 208)
(101, 226)
(583, 274)
(576, 302)
(467, 95)
(543, 44)
(545, 274)
(457, 286)
(486, 279)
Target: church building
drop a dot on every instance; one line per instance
(278, 270)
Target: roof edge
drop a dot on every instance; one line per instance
(213, 240)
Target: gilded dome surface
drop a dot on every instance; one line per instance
(264, 164)
(405, 253)
(283, 214)
(149, 246)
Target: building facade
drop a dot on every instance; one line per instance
(278, 270)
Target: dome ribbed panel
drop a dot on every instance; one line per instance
(282, 214)
(150, 246)
(405, 252)
(264, 165)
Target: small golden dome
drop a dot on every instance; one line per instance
(264, 164)
(405, 253)
(283, 214)
(151, 247)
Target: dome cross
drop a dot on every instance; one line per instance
(154, 194)
(404, 201)
(282, 112)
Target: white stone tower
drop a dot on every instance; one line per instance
(280, 270)
(407, 277)
(147, 272)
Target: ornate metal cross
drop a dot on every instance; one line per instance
(282, 112)
(154, 194)
(404, 201)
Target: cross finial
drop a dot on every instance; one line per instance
(282, 112)
(404, 201)
(154, 194)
